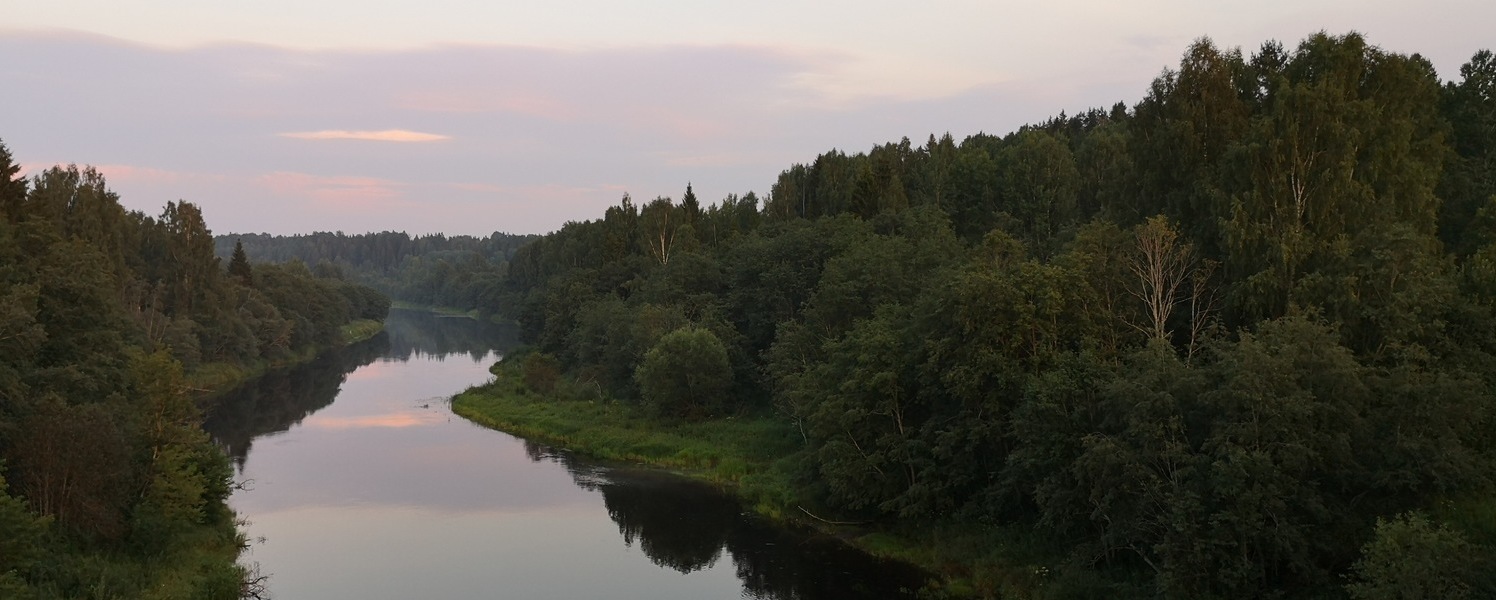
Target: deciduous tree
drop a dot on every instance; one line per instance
(687, 374)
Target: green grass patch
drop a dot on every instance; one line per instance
(725, 451)
(440, 310)
(361, 330)
(743, 453)
(218, 377)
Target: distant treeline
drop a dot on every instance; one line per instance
(1237, 340)
(108, 486)
(433, 270)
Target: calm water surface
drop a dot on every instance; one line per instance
(363, 484)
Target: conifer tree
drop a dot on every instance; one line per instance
(12, 187)
(691, 205)
(239, 266)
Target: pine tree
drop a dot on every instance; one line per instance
(12, 187)
(691, 205)
(239, 266)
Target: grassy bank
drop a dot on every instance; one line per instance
(440, 310)
(217, 377)
(448, 311)
(360, 330)
(756, 458)
(750, 455)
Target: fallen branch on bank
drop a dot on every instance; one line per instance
(830, 522)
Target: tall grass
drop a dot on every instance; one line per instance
(360, 330)
(740, 452)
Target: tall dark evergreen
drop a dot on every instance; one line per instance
(691, 205)
(12, 186)
(239, 267)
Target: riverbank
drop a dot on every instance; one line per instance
(448, 311)
(441, 310)
(757, 458)
(218, 542)
(749, 454)
(215, 378)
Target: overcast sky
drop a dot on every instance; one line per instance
(474, 116)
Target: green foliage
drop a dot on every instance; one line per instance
(540, 372)
(239, 266)
(1468, 183)
(739, 451)
(100, 310)
(1041, 185)
(12, 187)
(685, 375)
(460, 272)
(1199, 345)
(22, 543)
(1410, 557)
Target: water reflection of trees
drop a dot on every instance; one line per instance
(422, 334)
(687, 526)
(675, 530)
(282, 398)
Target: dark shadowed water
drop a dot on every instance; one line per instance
(363, 484)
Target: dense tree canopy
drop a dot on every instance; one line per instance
(108, 486)
(1209, 341)
(1236, 340)
(433, 270)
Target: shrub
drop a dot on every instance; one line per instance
(686, 374)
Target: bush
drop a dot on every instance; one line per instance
(1409, 557)
(540, 372)
(686, 374)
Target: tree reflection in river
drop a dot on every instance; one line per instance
(384, 493)
(282, 398)
(426, 334)
(686, 526)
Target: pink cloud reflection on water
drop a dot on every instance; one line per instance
(392, 420)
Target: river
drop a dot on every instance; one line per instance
(359, 482)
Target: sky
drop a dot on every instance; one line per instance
(476, 116)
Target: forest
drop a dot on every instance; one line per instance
(1233, 341)
(113, 325)
(461, 272)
